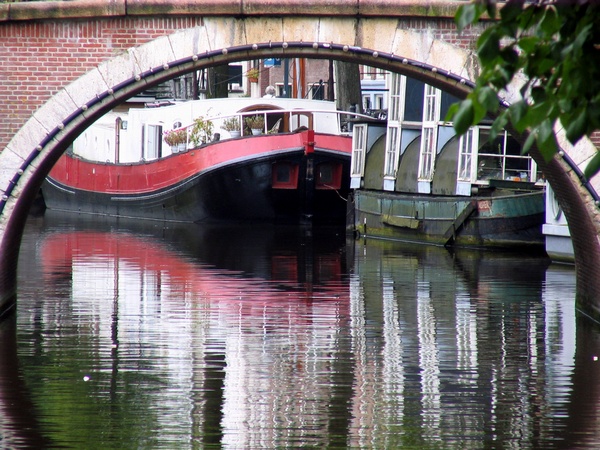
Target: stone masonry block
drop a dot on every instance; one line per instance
(377, 35)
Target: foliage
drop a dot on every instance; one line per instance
(557, 48)
(231, 124)
(175, 137)
(252, 73)
(255, 122)
(201, 132)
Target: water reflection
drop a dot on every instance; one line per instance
(144, 335)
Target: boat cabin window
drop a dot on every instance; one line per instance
(284, 175)
(392, 151)
(431, 117)
(317, 91)
(151, 142)
(276, 122)
(328, 176)
(414, 100)
(446, 101)
(467, 164)
(359, 144)
(395, 116)
(481, 160)
(501, 159)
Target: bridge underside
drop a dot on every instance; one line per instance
(376, 42)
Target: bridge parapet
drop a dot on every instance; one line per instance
(55, 10)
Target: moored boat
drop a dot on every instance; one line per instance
(414, 179)
(185, 162)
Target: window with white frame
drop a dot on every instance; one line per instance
(152, 142)
(392, 151)
(431, 116)
(427, 154)
(467, 155)
(396, 88)
(501, 159)
(359, 141)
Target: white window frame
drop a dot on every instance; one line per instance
(359, 153)
(152, 142)
(432, 99)
(503, 157)
(396, 98)
(466, 171)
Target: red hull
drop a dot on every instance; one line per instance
(155, 175)
(268, 177)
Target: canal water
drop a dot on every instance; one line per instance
(149, 335)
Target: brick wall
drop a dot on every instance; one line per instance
(38, 59)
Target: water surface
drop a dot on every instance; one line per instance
(146, 335)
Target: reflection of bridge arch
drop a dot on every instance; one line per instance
(373, 41)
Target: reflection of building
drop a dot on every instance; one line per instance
(458, 356)
(197, 335)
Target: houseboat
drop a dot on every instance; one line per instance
(414, 179)
(274, 159)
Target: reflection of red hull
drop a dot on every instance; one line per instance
(229, 179)
(61, 252)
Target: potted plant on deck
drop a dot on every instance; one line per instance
(176, 139)
(252, 75)
(232, 125)
(202, 130)
(256, 123)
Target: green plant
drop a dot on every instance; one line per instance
(175, 137)
(202, 131)
(255, 122)
(231, 124)
(252, 73)
(554, 45)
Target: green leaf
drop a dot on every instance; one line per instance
(479, 110)
(490, 7)
(510, 12)
(452, 110)
(501, 76)
(550, 23)
(546, 140)
(510, 55)
(566, 105)
(538, 94)
(528, 143)
(518, 110)
(528, 44)
(468, 14)
(576, 126)
(499, 124)
(582, 36)
(487, 97)
(488, 46)
(538, 113)
(593, 166)
(463, 118)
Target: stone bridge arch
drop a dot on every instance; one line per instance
(377, 42)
